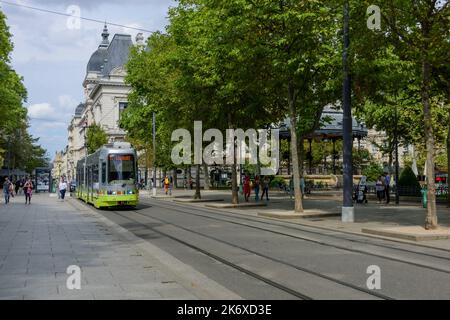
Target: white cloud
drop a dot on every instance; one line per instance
(47, 112)
(41, 111)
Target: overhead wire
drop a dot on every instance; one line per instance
(73, 16)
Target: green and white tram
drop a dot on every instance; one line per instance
(110, 177)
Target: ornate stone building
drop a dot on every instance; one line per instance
(105, 94)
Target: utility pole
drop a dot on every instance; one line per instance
(154, 154)
(347, 208)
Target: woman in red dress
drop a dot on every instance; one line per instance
(247, 189)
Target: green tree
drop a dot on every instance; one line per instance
(18, 149)
(96, 137)
(300, 39)
(373, 171)
(414, 36)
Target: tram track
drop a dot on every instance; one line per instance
(233, 265)
(420, 265)
(302, 228)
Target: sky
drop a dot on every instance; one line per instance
(51, 53)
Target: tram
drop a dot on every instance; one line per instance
(107, 178)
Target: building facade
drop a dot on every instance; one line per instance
(105, 95)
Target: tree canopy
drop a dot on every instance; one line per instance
(18, 149)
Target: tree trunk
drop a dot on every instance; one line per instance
(198, 194)
(431, 222)
(206, 175)
(301, 156)
(294, 149)
(234, 185)
(175, 178)
(189, 178)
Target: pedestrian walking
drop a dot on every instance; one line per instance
(361, 191)
(7, 190)
(380, 189)
(387, 183)
(17, 186)
(11, 189)
(62, 189)
(170, 185)
(166, 185)
(247, 188)
(256, 187)
(302, 186)
(265, 188)
(28, 190)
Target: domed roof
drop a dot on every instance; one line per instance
(110, 55)
(331, 126)
(79, 110)
(98, 57)
(97, 60)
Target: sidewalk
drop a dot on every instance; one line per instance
(39, 242)
(371, 215)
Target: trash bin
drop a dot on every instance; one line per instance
(424, 196)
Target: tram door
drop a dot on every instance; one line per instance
(90, 183)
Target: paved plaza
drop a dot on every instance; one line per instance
(170, 249)
(39, 242)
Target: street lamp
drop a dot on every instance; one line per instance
(154, 154)
(85, 126)
(347, 208)
(397, 162)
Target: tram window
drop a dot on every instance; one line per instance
(103, 172)
(95, 174)
(121, 168)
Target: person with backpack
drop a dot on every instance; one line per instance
(7, 190)
(28, 190)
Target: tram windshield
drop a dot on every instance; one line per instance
(121, 169)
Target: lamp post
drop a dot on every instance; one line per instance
(154, 154)
(397, 163)
(85, 126)
(347, 208)
(9, 157)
